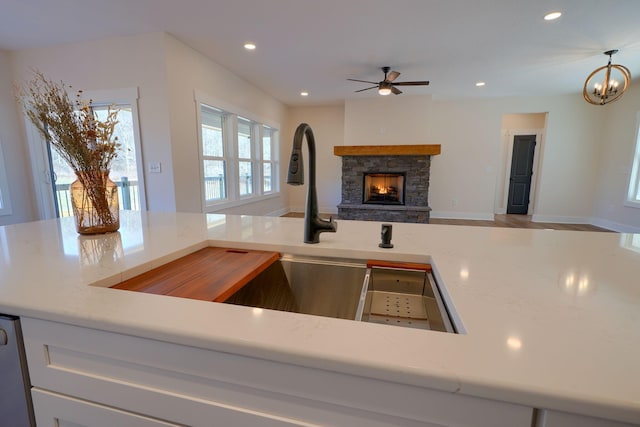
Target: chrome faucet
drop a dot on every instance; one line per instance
(313, 224)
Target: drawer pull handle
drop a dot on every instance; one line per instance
(3, 337)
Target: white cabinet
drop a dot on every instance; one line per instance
(193, 386)
(550, 418)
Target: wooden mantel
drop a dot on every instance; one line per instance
(387, 150)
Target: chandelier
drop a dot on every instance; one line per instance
(606, 84)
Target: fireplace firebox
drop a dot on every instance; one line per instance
(383, 188)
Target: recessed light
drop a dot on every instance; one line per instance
(250, 46)
(552, 15)
(303, 93)
(480, 84)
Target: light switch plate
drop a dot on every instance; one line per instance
(155, 167)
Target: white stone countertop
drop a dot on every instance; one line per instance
(551, 318)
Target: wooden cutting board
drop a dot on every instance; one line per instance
(210, 274)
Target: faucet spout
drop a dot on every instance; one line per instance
(313, 224)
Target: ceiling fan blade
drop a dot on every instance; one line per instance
(392, 76)
(363, 81)
(362, 90)
(395, 90)
(421, 83)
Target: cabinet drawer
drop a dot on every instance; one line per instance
(55, 410)
(563, 419)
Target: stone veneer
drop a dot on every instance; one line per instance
(416, 169)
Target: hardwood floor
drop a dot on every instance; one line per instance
(507, 221)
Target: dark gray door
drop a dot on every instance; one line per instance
(521, 171)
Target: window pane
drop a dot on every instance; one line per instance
(245, 179)
(266, 179)
(124, 168)
(212, 138)
(634, 180)
(214, 180)
(244, 139)
(266, 143)
(4, 186)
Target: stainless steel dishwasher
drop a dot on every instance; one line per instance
(16, 409)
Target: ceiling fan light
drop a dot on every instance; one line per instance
(384, 89)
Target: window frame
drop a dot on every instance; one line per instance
(125, 97)
(39, 158)
(5, 195)
(233, 114)
(632, 198)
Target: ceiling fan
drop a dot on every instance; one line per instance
(388, 85)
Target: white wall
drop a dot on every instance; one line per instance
(328, 126)
(14, 149)
(388, 120)
(619, 123)
(584, 168)
(471, 131)
(166, 73)
(123, 62)
(464, 177)
(190, 71)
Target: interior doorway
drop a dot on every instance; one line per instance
(520, 156)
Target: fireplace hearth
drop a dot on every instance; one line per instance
(386, 183)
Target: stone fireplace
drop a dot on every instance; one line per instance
(386, 182)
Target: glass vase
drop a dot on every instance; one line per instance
(94, 199)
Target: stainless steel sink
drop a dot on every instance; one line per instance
(349, 289)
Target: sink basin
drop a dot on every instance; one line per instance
(395, 294)
(311, 285)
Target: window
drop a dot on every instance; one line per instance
(124, 168)
(245, 157)
(52, 176)
(269, 165)
(239, 160)
(5, 206)
(213, 154)
(633, 194)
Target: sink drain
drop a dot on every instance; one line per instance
(398, 309)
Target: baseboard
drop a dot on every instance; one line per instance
(333, 210)
(614, 226)
(278, 212)
(561, 219)
(481, 216)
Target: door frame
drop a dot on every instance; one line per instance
(511, 134)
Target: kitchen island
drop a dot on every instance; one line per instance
(550, 329)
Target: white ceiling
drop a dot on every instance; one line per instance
(315, 45)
